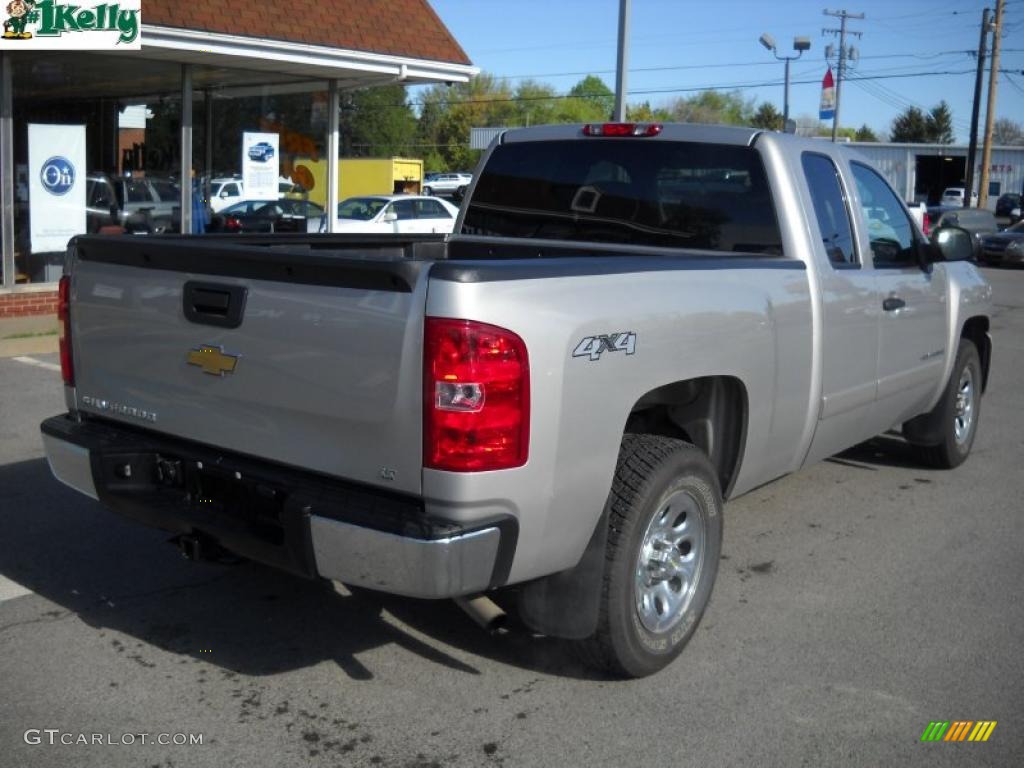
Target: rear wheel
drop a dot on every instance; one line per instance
(664, 542)
(428, 191)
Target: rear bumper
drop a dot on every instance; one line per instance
(284, 517)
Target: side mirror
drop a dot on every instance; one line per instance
(953, 244)
(389, 217)
(224, 194)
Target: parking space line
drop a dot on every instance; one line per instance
(37, 363)
(12, 589)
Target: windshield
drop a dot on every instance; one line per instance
(360, 208)
(667, 194)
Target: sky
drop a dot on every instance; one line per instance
(916, 53)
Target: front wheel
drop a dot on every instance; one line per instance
(957, 412)
(664, 542)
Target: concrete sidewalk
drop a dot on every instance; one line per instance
(33, 335)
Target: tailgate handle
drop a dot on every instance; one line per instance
(213, 304)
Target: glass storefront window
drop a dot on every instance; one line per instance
(131, 118)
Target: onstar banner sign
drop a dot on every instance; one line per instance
(48, 25)
(260, 165)
(56, 185)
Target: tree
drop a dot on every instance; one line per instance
(594, 90)
(913, 126)
(377, 122)
(767, 117)
(940, 124)
(1007, 133)
(713, 107)
(865, 134)
(910, 127)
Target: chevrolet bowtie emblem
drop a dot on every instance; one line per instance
(213, 360)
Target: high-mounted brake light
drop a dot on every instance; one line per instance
(622, 129)
(476, 397)
(67, 369)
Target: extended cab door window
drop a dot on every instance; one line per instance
(890, 231)
(830, 209)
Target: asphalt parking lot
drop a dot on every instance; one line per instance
(857, 601)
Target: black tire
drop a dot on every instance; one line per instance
(962, 397)
(656, 479)
(428, 191)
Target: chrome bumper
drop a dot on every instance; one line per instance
(457, 565)
(416, 561)
(71, 464)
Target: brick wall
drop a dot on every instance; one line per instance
(23, 304)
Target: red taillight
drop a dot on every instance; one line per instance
(476, 397)
(926, 225)
(622, 129)
(231, 224)
(67, 369)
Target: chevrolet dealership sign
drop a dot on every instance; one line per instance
(51, 26)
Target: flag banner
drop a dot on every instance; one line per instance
(828, 97)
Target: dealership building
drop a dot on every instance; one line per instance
(154, 126)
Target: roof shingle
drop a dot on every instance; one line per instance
(408, 28)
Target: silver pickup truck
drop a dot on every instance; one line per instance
(632, 323)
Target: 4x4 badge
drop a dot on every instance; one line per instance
(213, 360)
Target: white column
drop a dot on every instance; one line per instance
(333, 150)
(186, 149)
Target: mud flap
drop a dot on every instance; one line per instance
(567, 604)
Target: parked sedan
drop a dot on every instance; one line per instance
(282, 215)
(1006, 247)
(977, 221)
(1006, 204)
(398, 214)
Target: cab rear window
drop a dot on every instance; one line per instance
(651, 193)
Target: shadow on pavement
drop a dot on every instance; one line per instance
(113, 573)
(886, 450)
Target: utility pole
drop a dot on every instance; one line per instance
(972, 149)
(990, 114)
(843, 54)
(622, 63)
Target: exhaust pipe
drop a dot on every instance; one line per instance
(483, 611)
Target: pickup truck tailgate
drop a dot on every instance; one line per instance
(290, 354)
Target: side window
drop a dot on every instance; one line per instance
(404, 209)
(830, 208)
(431, 209)
(889, 230)
(138, 192)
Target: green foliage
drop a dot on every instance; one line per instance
(767, 117)
(377, 122)
(713, 107)
(593, 89)
(865, 134)
(914, 126)
(910, 126)
(940, 124)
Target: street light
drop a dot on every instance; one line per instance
(800, 44)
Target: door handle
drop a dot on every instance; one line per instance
(893, 303)
(214, 304)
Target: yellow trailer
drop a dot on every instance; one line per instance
(360, 176)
